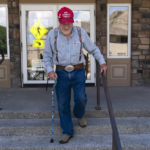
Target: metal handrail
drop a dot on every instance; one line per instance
(98, 106)
(3, 57)
(116, 145)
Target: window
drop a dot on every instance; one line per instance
(4, 30)
(43, 22)
(119, 34)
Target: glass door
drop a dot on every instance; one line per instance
(119, 35)
(36, 22)
(4, 42)
(84, 17)
(4, 48)
(119, 44)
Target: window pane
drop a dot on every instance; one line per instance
(118, 31)
(3, 30)
(39, 23)
(82, 19)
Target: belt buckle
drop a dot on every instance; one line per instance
(69, 68)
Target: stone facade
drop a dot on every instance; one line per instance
(14, 41)
(101, 25)
(140, 43)
(140, 40)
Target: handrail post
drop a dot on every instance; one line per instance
(113, 142)
(98, 107)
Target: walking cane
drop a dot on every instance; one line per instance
(53, 110)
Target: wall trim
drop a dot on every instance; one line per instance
(3, 2)
(57, 1)
(118, 1)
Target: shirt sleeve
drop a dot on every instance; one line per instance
(91, 47)
(48, 54)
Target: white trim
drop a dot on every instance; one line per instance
(21, 45)
(23, 9)
(129, 32)
(54, 8)
(8, 49)
(129, 29)
(78, 6)
(93, 37)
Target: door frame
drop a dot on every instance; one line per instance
(52, 7)
(7, 31)
(119, 67)
(23, 9)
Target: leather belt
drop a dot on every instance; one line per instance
(70, 68)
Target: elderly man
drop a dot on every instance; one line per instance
(64, 49)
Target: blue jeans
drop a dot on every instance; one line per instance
(66, 80)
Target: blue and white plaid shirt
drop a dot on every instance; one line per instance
(69, 50)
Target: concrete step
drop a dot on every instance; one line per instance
(96, 126)
(91, 113)
(78, 142)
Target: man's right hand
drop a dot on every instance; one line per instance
(52, 75)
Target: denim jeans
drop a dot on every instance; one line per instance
(66, 81)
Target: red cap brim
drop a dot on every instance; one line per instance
(62, 21)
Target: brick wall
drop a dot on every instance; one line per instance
(140, 45)
(101, 25)
(14, 40)
(140, 42)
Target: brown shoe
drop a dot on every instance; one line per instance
(82, 122)
(65, 138)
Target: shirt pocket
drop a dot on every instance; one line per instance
(75, 50)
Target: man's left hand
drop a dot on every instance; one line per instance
(103, 68)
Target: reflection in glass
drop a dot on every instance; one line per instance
(3, 30)
(82, 19)
(118, 31)
(39, 23)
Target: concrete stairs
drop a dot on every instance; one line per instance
(31, 131)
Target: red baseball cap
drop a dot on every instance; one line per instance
(65, 15)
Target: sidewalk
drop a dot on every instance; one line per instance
(38, 100)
